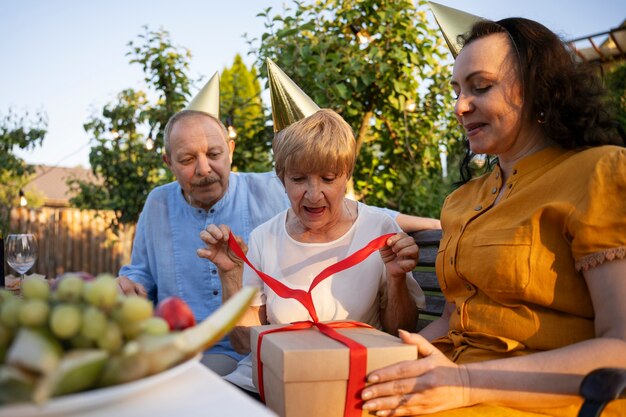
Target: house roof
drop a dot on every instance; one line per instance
(51, 181)
(609, 46)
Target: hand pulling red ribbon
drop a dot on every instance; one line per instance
(358, 352)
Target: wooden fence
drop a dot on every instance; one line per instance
(70, 239)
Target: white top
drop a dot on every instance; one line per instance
(357, 293)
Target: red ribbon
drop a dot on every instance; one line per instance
(358, 352)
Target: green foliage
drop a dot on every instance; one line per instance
(371, 86)
(242, 108)
(19, 132)
(616, 84)
(16, 132)
(128, 134)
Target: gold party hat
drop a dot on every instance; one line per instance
(289, 102)
(208, 99)
(452, 23)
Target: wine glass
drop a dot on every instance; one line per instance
(21, 252)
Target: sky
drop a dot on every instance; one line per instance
(66, 58)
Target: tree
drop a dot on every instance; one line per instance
(391, 88)
(242, 108)
(128, 135)
(16, 132)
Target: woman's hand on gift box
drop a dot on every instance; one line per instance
(429, 384)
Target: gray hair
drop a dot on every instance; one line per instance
(184, 114)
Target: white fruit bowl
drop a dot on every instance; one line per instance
(72, 403)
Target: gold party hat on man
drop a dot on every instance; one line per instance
(208, 99)
(289, 102)
(452, 23)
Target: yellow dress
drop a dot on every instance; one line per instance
(514, 270)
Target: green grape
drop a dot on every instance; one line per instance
(34, 312)
(155, 326)
(94, 323)
(116, 315)
(89, 294)
(35, 287)
(102, 292)
(81, 342)
(130, 329)
(135, 309)
(5, 295)
(10, 312)
(70, 288)
(111, 339)
(65, 321)
(6, 335)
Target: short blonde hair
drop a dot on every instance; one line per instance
(322, 142)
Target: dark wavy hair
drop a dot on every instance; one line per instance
(566, 97)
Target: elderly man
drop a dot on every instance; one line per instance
(164, 261)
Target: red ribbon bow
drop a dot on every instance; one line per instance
(358, 352)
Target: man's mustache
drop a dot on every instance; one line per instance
(211, 179)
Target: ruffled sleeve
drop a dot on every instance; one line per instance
(599, 220)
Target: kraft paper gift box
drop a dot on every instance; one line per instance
(305, 372)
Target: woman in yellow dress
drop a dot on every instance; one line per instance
(532, 259)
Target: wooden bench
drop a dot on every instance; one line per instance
(424, 274)
(598, 388)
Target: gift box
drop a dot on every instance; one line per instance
(305, 372)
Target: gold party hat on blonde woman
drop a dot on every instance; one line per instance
(452, 23)
(208, 99)
(289, 102)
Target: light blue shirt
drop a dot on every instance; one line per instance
(164, 256)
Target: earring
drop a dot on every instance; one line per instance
(541, 119)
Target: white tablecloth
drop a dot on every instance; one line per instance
(194, 392)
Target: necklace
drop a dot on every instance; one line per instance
(345, 203)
